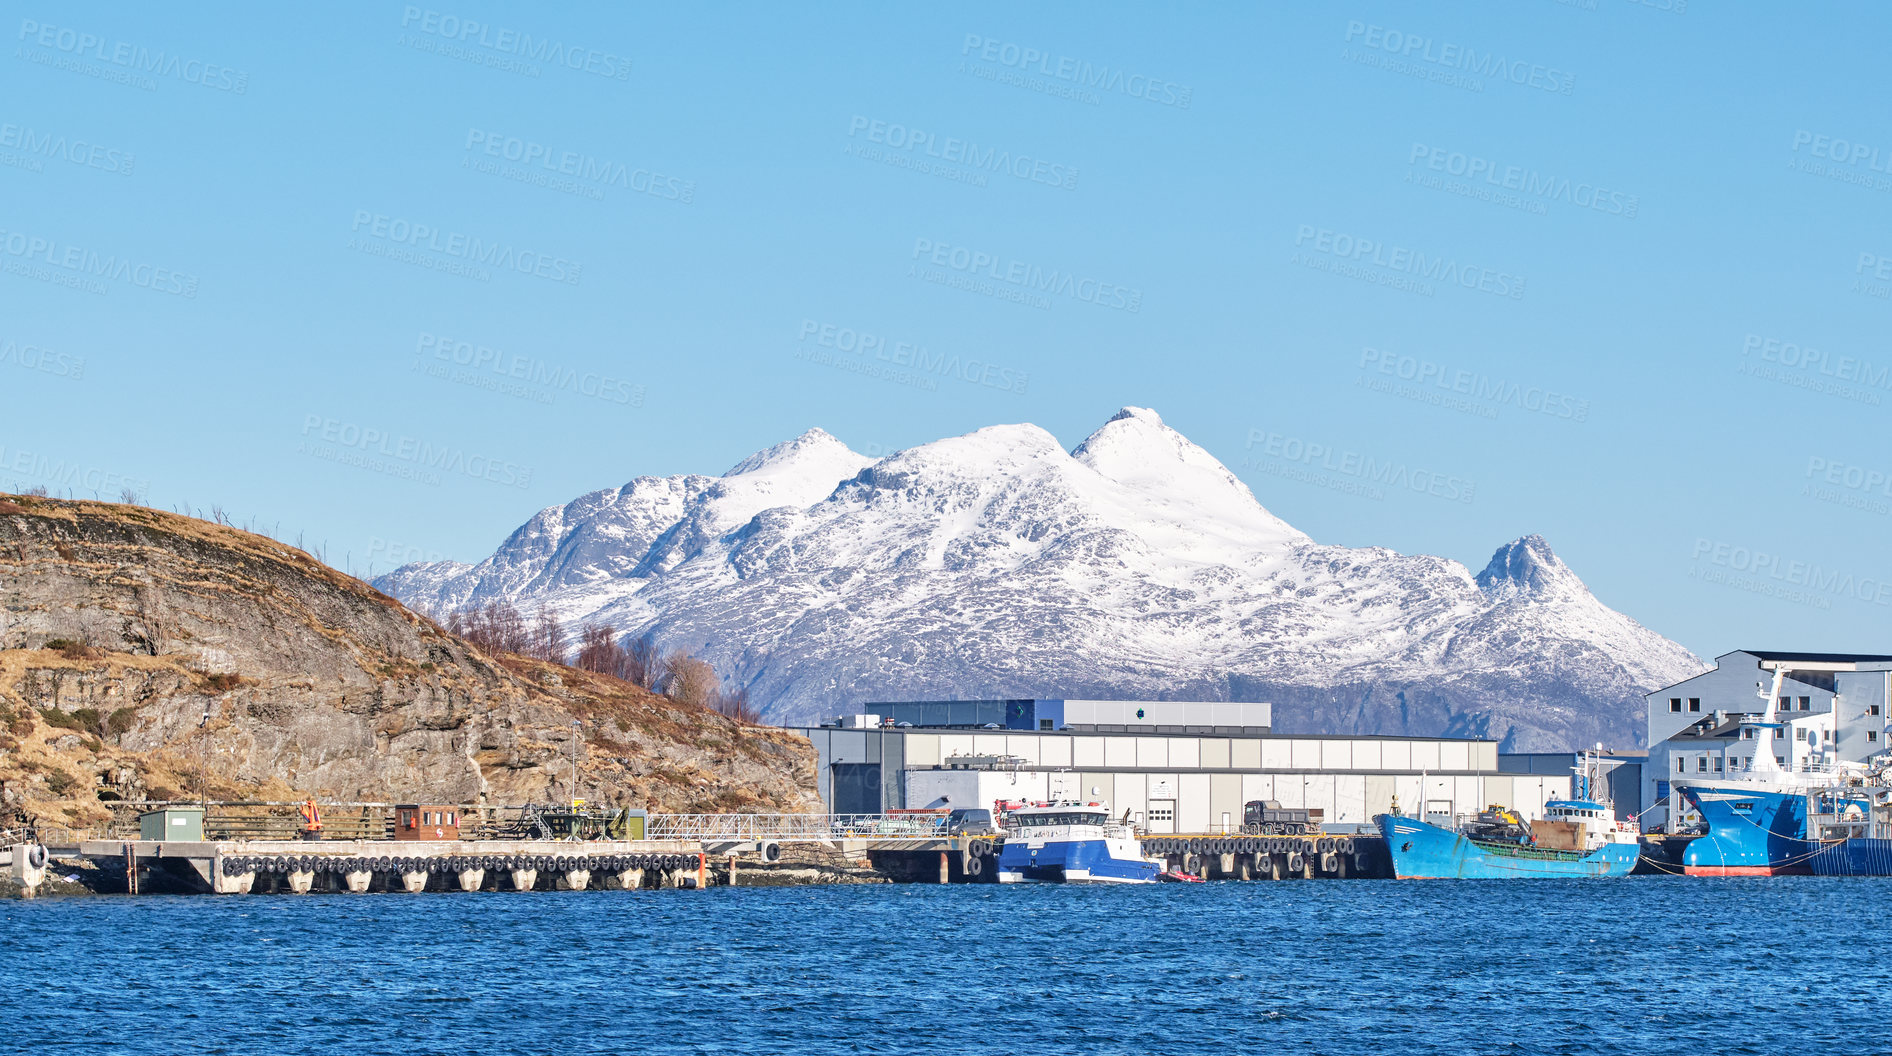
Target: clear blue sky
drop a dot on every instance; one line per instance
(241, 247)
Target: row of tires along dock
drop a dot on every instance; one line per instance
(520, 872)
(1211, 857)
(1273, 857)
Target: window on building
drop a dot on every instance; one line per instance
(1717, 764)
(1806, 703)
(1044, 724)
(1675, 703)
(1701, 765)
(1780, 760)
(1747, 733)
(1872, 709)
(1872, 736)
(1681, 765)
(1694, 703)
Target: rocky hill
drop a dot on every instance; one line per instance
(142, 653)
(1135, 565)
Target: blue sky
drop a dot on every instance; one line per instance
(1426, 276)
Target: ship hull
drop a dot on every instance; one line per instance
(1757, 832)
(1424, 851)
(1074, 862)
(1751, 832)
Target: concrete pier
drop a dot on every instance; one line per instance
(231, 867)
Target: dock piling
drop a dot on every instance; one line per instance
(524, 879)
(471, 879)
(225, 882)
(414, 881)
(358, 880)
(577, 879)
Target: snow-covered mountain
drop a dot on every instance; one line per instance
(998, 564)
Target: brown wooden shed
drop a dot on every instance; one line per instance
(426, 821)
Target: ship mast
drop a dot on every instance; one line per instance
(1764, 762)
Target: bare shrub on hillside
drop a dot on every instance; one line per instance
(733, 701)
(690, 681)
(496, 628)
(644, 663)
(598, 649)
(546, 639)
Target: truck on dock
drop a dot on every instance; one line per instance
(1266, 817)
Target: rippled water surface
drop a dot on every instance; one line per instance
(1645, 965)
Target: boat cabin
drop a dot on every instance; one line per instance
(1040, 815)
(419, 821)
(1576, 810)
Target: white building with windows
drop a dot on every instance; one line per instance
(1170, 766)
(1831, 706)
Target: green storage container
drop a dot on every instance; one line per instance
(172, 823)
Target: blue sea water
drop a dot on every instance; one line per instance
(1644, 965)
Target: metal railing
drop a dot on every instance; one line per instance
(268, 820)
(805, 828)
(262, 820)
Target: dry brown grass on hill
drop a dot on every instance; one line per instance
(122, 627)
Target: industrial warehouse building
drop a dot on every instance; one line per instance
(1832, 707)
(1172, 766)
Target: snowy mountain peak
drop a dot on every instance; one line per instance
(1528, 566)
(815, 449)
(1001, 563)
(1136, 450)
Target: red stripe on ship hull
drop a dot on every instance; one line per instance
(1730, 870)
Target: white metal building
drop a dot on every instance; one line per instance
(1170, 781)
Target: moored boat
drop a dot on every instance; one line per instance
(1422, 850)
(1827, 820)
(1577, 837)
(1072, 843)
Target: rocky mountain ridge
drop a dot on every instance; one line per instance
(1134, 565)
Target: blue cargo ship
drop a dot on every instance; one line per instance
(1582, 838)
(1579, 836)
(1072, 843)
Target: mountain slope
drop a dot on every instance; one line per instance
(142, 651)
(998, 564)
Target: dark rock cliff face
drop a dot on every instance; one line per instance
(147, 654)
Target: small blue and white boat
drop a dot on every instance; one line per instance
(1072, 843)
